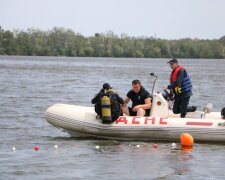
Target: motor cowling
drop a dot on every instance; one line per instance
(223, 113)
(106, 110)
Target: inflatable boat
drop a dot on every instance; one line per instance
(161, 125)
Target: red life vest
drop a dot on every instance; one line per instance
(174, 73)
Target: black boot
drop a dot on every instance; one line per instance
(182, 115)
(191, 108)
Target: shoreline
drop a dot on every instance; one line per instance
(81, 57)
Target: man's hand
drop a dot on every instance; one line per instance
(135, 108)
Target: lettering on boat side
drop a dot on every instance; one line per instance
(141, 120)
(121, 119)
(134, 121)
(151, 119)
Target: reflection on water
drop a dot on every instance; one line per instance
(31, 84)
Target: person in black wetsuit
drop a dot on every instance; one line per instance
(115, 99)
(180, 85)
(141, 100)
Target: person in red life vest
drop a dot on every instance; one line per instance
(141, 100)
(180, 85)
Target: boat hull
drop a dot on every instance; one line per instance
(80, 121)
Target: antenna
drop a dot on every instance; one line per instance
(153, 75)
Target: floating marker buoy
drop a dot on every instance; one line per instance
(97, 147)
(137, 145)
(13, 149)
(155, 145)
(36, 148)
(56, 146)
(186, 140)
(173, 146)
(119, 146)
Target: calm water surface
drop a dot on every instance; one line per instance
(29, 85)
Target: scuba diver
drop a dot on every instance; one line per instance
(180, 85)
(108, 104)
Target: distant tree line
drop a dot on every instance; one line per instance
(65, 42)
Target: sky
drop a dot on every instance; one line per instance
(167, 19)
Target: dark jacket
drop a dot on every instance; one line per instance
(116, 103)
(97, 98)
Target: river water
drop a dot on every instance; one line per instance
(29, 85)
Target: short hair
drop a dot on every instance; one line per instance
(136, 81)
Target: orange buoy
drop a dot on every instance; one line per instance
(186, 140)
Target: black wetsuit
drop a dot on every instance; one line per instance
(97, 98)
(115, 99)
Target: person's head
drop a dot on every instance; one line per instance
(136, 84)
(173, 63)
(106, 86)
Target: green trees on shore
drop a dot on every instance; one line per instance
(65, 42)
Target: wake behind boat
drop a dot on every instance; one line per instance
(162, 124)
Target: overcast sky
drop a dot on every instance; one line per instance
(170, 19)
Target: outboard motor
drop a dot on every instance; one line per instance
(223, 113)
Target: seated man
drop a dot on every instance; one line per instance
(116, 101)
(141, 101)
